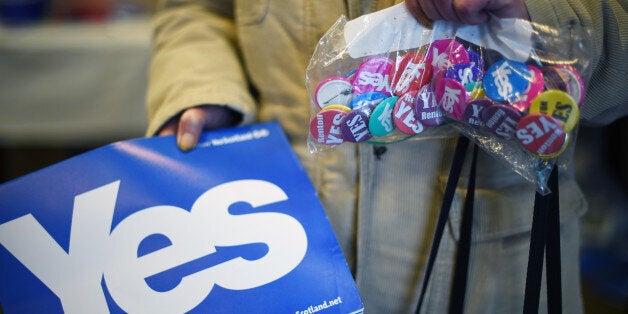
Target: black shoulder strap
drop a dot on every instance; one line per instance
(450, 189)
(545, 238)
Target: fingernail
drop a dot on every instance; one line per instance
(187, 141)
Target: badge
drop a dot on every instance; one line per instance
(565, 78)
(381, 122)
(411, 72)
(451, 96)
(559, 105)
(367, 99)
(506, 80)
(473, 112)
(325, 127)
(536, 86)
(465, 73)
(354, 126)
(541, 134)
(334, 90)
(373, 75)
(501, 120)
(404, 116)
(426, 108)
(444, 53)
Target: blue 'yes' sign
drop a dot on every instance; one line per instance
(138, 226)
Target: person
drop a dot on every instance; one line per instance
(223, 63)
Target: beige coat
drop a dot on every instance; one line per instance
(252, 54)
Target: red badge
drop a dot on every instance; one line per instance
(541, 134)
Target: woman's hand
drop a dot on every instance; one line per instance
(465, 11)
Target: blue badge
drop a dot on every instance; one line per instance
(367, 99)
(506, 80)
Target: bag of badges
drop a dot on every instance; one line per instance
(511, 86)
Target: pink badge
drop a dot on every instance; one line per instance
(325, 127)
(541, 134)
(410, 72)
(536, 86)
(373, 75)
(451, 96)
(426, 108)
(444, 53)
(335, 90)
(567, 79)
(404, 116)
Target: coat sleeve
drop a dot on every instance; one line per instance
(195, 61)
(606, 96)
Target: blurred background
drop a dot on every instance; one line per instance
(73, 78)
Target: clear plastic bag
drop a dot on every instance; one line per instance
(513, 87)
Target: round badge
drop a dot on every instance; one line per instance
(476, 59)
(325, 127)
(501, 120)
(367, 99)
(559, 105)
(506, 80)
(475, 90)
(426, 108)
(536, 86)
(337, 107)
(444, 53)
(354, 126)
(541, 134)
(411, 72)
(565, 78)
(465, 73)
(451, 96)
(473, 112)
(404, 116)
(334, 90)
(373, 75)
(381, 121)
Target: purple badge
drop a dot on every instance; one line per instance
(373, 75)
(465, 73)
(354, 126)
(473, 112)
(476, 59)
(444, 53)
(451, 96)
(427, 109)
(501, 120)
